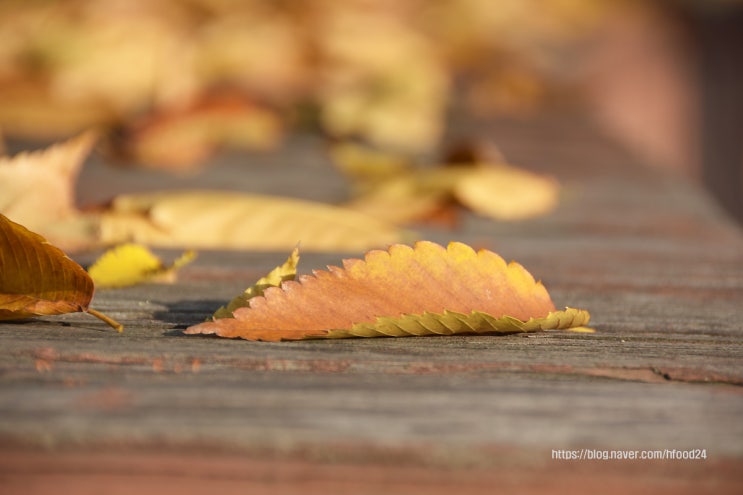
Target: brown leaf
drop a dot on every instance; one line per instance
(37, 278)
(426, 289)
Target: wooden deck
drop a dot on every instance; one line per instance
(153, 411)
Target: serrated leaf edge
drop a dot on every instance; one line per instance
(452, 323)
(277, 276)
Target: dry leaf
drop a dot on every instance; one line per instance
(131, 264)
(39, 279)
(368, 166)
(37, 188)
(385, 71)
(504, 192)
(424, 290)
(181, 139)
(381, 79)
(476, 179)
(275, 278)
(29, 109)
(231, 220)
(404, 199)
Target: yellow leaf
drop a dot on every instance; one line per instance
(423, 290)
(582, 330)
(130, 264)
(504, 192)
(404, 199)
(37, 278)
(275, 278)
(231, 220)
(368, 165)
(476, 179)
(451, 323)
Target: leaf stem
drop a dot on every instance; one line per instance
(110, 321)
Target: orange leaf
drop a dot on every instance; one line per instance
(37, 278)
(421, 290)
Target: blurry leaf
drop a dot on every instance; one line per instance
(275, 278)
(408, 197)
(382, 79)
(509, 90)
(385, 184)
(582, 330)
(424, 290)
(231, 220)
(380, 70)
(366, 165)
(130, 264)
(474, 176)
(30, 109)
(471, 152)
(37, 188)
(183, 138)
(504, 192)
(38, 279)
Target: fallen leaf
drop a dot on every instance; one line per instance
(504, 192)
(30, 109)
(131, 264)
(477, 178)
(406, 198)
(275, 278)
(231, 220)
(39, 279)
(181, 139)
(423, 290)
(381, 80)
(467, 152)
(367, 166)
(37, 188)
(389, 72)
(510, 90)
(582, 330)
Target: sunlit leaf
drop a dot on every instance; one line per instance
(405, 199)
(368, 166)
(475, 178)
(130, 264)
(37, 188)
(275, 278)
(181, 139)
(38, 279)
(423, 290)
(504, 192)
(231, 220)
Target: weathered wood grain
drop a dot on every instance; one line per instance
(650, 255)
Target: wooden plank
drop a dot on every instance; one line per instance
(652, 257)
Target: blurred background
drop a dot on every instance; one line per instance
(170, 82)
